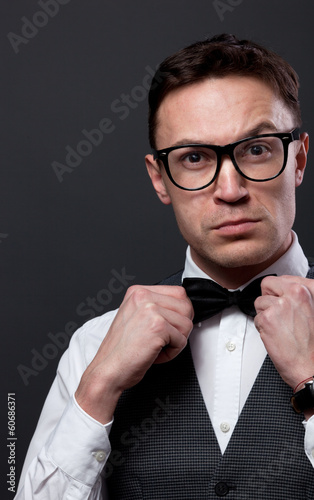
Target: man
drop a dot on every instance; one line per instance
(210, 417)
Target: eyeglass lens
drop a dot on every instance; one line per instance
(258, 159)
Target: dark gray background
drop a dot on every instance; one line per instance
(61, 242)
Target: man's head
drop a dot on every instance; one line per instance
(236, 227)
(220, 56)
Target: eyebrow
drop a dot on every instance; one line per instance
(263, 127)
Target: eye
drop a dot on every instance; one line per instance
(257, 150)
(254, 151)
(197, 157)
(193, 157)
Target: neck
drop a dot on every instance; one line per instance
(236, 277)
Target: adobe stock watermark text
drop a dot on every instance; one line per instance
(31, 27)
(223, 6)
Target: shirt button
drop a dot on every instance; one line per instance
(224, 427)
(230, 346)
(100, 455)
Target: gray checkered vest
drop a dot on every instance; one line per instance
(164, 446)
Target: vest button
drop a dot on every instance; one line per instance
(221, 489)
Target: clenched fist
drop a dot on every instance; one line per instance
(152, 326)
(285, 321)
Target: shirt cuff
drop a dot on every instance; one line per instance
(79, 445)
(309, 438)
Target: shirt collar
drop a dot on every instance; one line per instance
(293, 263)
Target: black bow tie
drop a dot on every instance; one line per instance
(209, 298)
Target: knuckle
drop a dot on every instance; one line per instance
(188, 312)
(182, 342)
(157, 343)
(138, 294)
(131, 290)
(263, 320)
(299, 292)
(156, 321)
(189, 327)
(187, 304)
(267, 281)
(180, 292)
(282, 304)
(257, 302)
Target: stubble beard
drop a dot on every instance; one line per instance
(240, 252)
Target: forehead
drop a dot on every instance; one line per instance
(220, 111)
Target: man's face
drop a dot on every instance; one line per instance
(235, 227)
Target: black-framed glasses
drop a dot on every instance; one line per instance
(195, 166)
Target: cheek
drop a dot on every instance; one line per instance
(281, 203)
(189, 212)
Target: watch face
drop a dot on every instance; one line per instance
(304, 399)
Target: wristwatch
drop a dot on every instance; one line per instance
(304, 399)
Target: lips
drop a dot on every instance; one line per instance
(235, 227)
(234, 223)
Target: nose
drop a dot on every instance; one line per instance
(229, 186)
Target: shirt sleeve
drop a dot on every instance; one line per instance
(309, 439)
(69, 448)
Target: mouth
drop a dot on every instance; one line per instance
(231, 227)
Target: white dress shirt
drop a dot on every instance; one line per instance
(69, 448)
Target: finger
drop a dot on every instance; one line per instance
(264, 302)
(162, 331)
(272, 285)
(296, 279)
(177, 342)
(160, 321)
(306, 286)
(168, 290)
(283, 285)
(163, 297)
(181, 323)
(167, 354)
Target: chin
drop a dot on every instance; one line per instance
(241, 256)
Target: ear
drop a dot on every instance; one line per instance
(156, 177)
(301, 158)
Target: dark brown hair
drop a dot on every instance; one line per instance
(221, 56)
